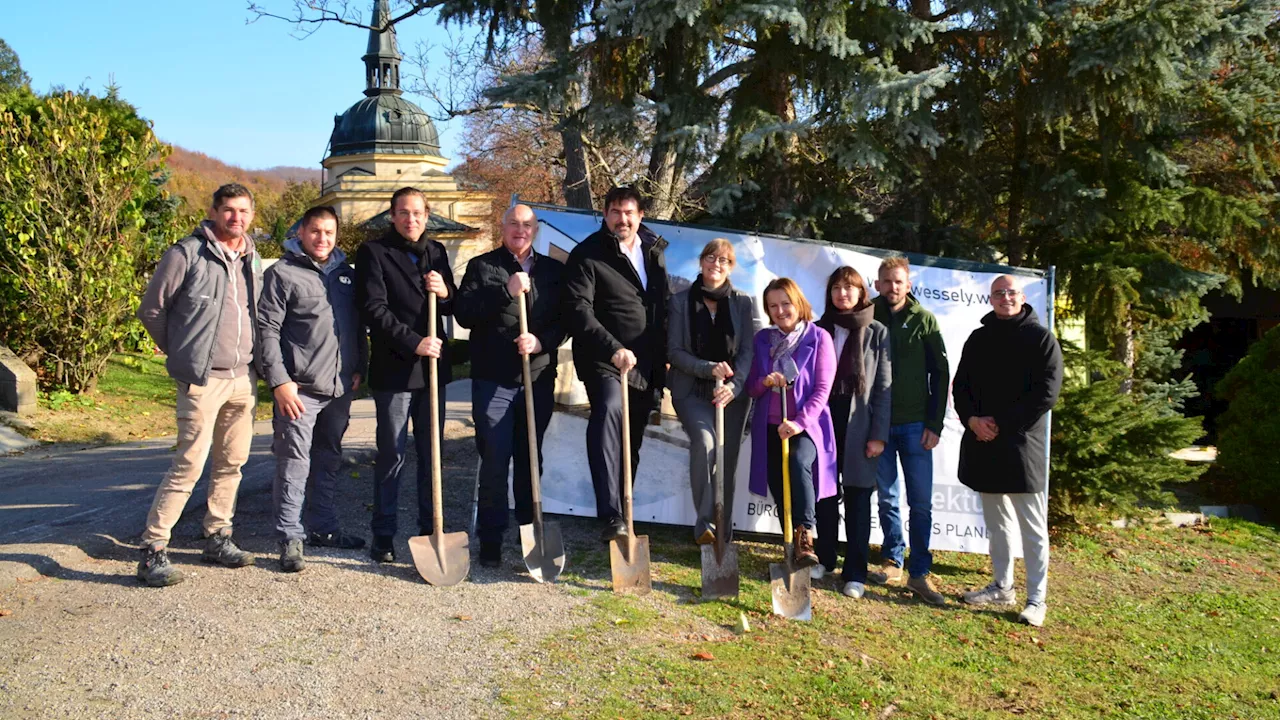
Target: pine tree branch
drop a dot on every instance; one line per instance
(739, 68)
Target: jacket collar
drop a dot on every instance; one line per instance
(204, 231)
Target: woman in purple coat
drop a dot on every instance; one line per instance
(798, 355)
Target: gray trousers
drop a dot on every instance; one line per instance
(308, 454)
(698, 417)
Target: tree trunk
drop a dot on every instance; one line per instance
(1125, 351)
(1015, 244)
(577, 180)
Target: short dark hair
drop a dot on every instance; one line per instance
(622, 194)
(319, 211)
(406, 191)
(847, 276)
(228, 191)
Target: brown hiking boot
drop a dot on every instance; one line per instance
(923, 587)
(886, 575)
(805, 556)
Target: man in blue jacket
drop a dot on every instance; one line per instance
(313, 350)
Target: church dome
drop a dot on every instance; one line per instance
(384, 123)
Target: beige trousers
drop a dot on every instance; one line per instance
(217, 417)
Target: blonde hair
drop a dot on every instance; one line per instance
(894, 262)
(788, 286)
(718, 245)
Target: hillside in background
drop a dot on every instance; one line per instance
(195, 176)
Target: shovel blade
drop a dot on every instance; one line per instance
(719, 575)
(790, 591)
(442, 559)
(545, 561)
(630, 568)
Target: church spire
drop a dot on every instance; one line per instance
(382, 59)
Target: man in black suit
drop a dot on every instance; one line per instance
(394, 273)
(616, 310)
(488, 305)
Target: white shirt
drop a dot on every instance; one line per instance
(636, 256)
(839, 338)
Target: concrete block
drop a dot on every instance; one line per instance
(17, 384)
(1184, 519)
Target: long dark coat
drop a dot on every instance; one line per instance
(1010, 370)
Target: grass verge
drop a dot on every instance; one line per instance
(1143, 623)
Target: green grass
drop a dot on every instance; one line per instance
(1142, 624)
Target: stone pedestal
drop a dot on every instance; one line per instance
(17, 384)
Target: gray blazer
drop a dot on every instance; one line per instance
(685, 366)
(870, 412)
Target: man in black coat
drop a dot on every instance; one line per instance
(616, 310)
(1009, 377)
(488, 304)
(394, 273)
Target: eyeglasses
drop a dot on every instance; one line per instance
(1006, 293)
(721, 261)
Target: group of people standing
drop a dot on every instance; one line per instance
(865, 386)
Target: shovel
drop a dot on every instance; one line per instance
(720, 559)
(790, 584)
(542, 545)
(441, 558)
(629, 557)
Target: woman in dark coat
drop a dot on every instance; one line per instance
(860, 404)
(710, 328)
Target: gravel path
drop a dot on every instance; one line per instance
(344, 638)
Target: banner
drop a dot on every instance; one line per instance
(955, 291)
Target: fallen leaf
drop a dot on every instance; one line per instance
(5, 612)
(462, 618)
(704, 655)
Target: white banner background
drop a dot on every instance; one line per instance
(958, 297)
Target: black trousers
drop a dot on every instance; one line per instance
(502, 435)
(604, 439)
(828, 509)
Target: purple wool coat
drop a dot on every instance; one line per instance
(815, 356)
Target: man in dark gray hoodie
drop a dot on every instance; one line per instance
(313, 356)
(200, 308)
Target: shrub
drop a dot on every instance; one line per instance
(1249, 431)
(79, 208)
(1111, 448)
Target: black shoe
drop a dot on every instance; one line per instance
(291, 556)
(220, 549)
(383, 551)
(154, 568)
(491, 554)
(338, 539)
(615, 529)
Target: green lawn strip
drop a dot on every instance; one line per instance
(1135, 631)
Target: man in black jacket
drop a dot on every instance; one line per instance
(1009, 377)
(488, 305)
(616, 310)
(394, 273)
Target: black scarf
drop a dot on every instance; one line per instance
(418, 248)
(850, 372)
(711, 339)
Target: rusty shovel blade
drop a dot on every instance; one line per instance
(719, 574)
(630, 565)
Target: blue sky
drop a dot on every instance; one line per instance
(249, 94)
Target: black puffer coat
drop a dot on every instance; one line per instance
(1011, 370)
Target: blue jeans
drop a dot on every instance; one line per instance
(917, 466)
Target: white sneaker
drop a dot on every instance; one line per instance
(817, 572)
(992, 594)
(1033, 615)
(854, 590)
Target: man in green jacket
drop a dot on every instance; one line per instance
(921, 378)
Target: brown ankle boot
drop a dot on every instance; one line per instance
(805, 556)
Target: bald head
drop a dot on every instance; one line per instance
(1006, 296)
(519, 228)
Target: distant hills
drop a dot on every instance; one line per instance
(194, 177)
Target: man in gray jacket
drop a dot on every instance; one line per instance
(313, 354)
(200, 308)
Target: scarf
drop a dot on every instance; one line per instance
(850, 372)
(418, 248)
(781, 347)
(711, 339)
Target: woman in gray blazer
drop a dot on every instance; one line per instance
(860, 403)
(710, 328)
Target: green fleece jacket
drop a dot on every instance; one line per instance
(921, 375)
